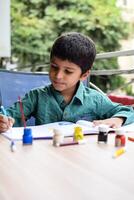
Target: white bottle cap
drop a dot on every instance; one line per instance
(120, 132)
(103, 128)
(57, 131)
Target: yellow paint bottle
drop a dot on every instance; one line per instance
(78, 134)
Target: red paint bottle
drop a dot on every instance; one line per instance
(120, 139)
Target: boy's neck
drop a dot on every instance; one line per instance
(69, 94)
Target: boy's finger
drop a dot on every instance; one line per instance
(3, 127)
(3, 119)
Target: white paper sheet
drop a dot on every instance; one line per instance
(66, 127)
(46, 130)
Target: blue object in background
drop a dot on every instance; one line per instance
(14, 84)
(2, 109)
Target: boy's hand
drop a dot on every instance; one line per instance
(111, 122)
(5, 123)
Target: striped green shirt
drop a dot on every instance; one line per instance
(47, 105)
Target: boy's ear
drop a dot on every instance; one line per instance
(85, 75)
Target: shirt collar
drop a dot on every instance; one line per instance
(79, 93)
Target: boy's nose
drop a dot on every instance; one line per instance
(59, 75)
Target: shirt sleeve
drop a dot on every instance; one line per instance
(29, 105)
(111, 109)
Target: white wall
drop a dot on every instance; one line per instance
(126, 3)
(5, 41)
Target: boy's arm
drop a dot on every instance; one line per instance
(113, 114)
(5, 123)
(29, 104)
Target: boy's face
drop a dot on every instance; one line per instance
(65, 75)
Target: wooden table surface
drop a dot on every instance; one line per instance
(79, 172)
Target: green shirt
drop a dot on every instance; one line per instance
(47, 105)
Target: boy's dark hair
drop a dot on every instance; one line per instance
(76, 48)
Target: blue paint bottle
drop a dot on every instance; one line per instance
(27, 136)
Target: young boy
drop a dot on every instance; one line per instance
(67, 99)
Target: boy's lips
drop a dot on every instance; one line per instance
(58, 83)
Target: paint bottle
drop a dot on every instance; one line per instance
(103, 133)
(78, 134)
(120, 139)
(58, 137)
(27, 136)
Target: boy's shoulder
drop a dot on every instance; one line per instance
(41, 89)
(92, 91)
(89, 92)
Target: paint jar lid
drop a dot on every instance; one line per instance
(27, 131)
(57, 131)
(103, 128)
(120, 132)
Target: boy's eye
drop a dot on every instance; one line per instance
(56, 68)
(68, 72)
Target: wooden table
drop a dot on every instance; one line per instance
(81, 172)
